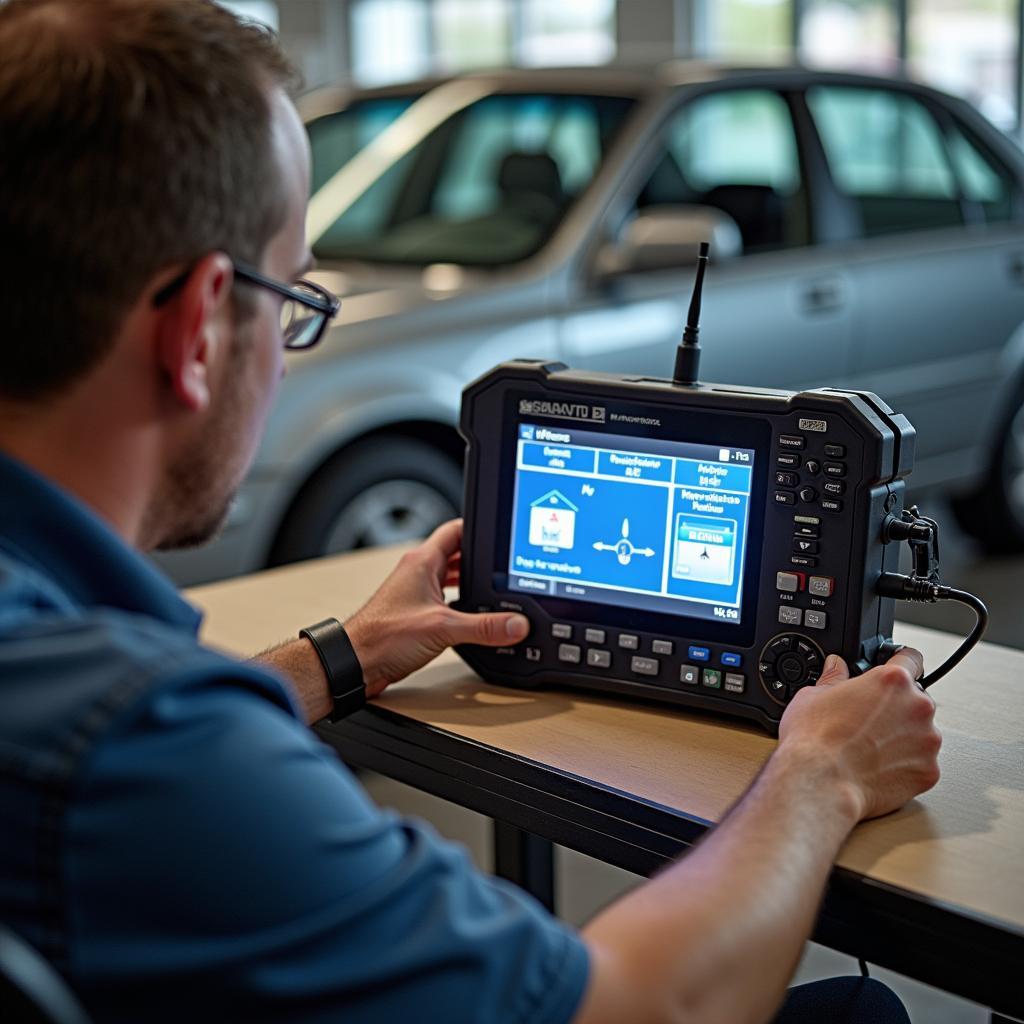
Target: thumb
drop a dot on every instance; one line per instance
(834, 671)
(492, 629)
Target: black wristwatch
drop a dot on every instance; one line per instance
(344, 673)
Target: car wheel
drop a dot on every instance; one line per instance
(995, 514)
(386, 491)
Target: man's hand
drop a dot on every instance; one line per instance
(406, 623)
(877, 728)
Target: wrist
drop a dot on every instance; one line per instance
(368, 640)
(807, 765)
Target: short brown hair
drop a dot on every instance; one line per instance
(134, 136)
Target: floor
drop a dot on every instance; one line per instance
(585, 885)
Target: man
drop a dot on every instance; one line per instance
(174, 839)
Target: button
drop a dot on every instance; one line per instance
(785, 498)
(831, 505)
(803, 561)
(734, 682)
(792, 441)
(788, 459)
(662, 646)
(787, 479)
(835, 469)
(569, 652)
(803, 546)
(599, 659)
(790, 616)
(712, 678)
(561, 631)
(594, 636)
(732, 658)
(629, 642)
(505, 652)
(835, 451)
(645, 666)
(821, 586)
(807, 494)
(812, 659)
(779, 645)
(689, 674)
(788, 582)
(767, 669)
(801, 530)
(777, 688)
(815, 620)
(699, 654)
(812, 466)
(791, 668)
(533, 654)
(807, 520)
(834, 487)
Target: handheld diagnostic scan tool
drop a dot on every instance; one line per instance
(696, 544)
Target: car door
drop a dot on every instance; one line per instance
(779, 314)
(939, 265)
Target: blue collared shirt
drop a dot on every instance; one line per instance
(183, 848)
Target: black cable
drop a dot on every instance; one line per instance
(863, 967)
(909, 588)
(979, 609)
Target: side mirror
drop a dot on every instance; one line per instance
(667, 237)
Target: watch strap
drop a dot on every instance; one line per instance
(338, 657)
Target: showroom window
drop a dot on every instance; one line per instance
(850, 34)
(747, 28)
(736, 151)
(886, 152)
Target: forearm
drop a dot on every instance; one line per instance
(717, 936)
(297, 661)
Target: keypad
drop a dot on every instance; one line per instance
(711, 678)
(662, 647)
(569, 653)
(596, 658)
(645, 666)
(561, 631)
(698, 654)
(734, 682)
(629, 641)
(594, 636)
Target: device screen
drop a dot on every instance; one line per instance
(632, 522)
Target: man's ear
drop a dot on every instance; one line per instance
(193, 326)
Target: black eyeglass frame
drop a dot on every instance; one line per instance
(323, 301)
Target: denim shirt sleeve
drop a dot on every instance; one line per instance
(222, 864)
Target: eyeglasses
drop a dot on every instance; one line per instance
(305, 313)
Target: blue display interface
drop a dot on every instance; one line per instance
(633, 522)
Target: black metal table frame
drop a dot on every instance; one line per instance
(534, 805)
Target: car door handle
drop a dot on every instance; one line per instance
(824, 295)
(1015, 267)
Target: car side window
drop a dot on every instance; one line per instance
(886, 152)
(983, 179)
(736, 151)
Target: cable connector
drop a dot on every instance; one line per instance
(911, 588)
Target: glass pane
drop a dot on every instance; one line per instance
(336, 138)
(886, 152)
(471, 33)
(850, 34)
(983, 179)
(567, 32)
(736, 151)
(968, 48)
(487, 187)
(748, 28)
(389, 41)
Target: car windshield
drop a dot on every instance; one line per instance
(485, 186)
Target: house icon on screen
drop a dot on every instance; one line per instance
(552, 521)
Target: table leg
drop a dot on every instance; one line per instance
(527, 860)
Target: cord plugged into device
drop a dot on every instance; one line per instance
(687, 369)
(924, 585)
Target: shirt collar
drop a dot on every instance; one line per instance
(59, 536)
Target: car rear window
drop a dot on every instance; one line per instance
(886, 153)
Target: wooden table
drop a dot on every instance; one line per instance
(934, 891)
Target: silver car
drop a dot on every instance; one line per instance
(866, 233)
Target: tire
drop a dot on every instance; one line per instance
(994, 515)
(384, 491)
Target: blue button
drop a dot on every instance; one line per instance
(732, 659)
(699, 654)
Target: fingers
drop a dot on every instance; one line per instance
(492, 629)
(441, 545)
(909, 659)
(835, 669)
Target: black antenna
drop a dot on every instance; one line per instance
(687, 369)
